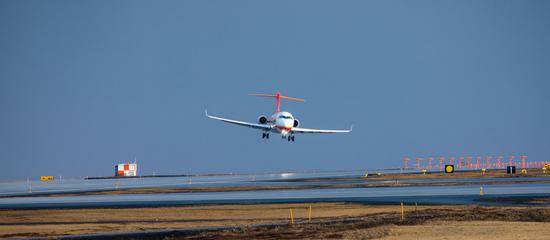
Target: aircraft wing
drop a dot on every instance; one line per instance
(306, 130)
(264, 127)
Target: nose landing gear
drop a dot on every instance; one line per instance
(265, 135)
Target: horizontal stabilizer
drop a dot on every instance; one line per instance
(279, 96)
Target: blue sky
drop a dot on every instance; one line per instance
(86, 84)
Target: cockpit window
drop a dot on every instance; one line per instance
(285, 117)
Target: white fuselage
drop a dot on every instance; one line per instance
(282, 122)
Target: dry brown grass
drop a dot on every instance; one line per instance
(482, 230)
(53, 222)
(331, 220)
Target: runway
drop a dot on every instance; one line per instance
(18, 188)
(203, 206)
(74, 185)
(426, 195)
(462, 192)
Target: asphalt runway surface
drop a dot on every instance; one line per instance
(455, 194)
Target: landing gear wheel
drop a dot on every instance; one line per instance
(263, 135)
(292, 137)
(267, 135)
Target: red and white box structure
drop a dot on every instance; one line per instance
(126, 170)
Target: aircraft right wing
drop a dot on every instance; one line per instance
(264, 127)
(306, 130)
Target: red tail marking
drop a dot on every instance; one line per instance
(278, 101)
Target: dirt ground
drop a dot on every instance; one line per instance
(271, 221)
(55, 222)
(429, 223)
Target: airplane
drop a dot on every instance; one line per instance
(280, 122)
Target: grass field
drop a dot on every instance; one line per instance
(264, 221)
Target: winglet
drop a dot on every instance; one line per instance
(351, 128)
(206, 112)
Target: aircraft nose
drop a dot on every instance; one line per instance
(289, 123)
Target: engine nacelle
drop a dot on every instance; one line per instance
(296, 123)
(262, 119)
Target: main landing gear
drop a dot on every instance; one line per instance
(265, 135)
(289, 138)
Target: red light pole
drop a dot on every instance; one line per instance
(441, 161)
(430, 159)
(499, 161)
(460, 159)
(478, 161)
(451, 160)
(418, 163)
(488, 162)
(523, 161)
(511, 160)
(468, 162)
(406, 163)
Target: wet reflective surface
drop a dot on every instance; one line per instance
(77, 185)
(459, 194)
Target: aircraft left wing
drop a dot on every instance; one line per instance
(306, 130)
(264, 127)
